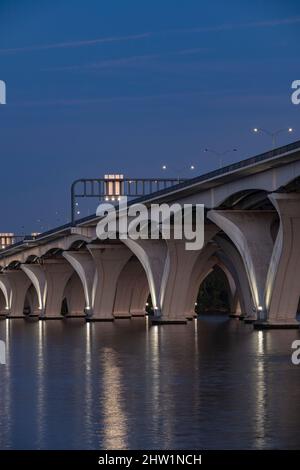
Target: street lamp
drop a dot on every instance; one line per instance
(178, 170)
(220, 155)
(273, 135)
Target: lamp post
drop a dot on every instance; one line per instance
(220, 155)
(178, 170)
(271, 134)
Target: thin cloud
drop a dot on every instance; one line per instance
(65, 45)
(136, 37)
(125, 61)
(234, 26)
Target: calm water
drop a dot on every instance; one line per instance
(214, 383)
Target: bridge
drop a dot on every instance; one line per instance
(252, 232)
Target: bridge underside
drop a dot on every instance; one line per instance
(252, 233)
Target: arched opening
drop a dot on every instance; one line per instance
(73, 302)
(2, 303)
(64, 307)
(31, 304)
(214, 295)
(132, 290)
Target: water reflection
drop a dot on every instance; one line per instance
(114, 418)
(5, 389)
(213, 383)
(260, 389)
(88, 398)
(40, 387)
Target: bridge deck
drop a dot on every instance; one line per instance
(256, 164)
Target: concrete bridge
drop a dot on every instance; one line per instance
(252, 232)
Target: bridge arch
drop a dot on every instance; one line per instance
(132, 290)
(73, 300)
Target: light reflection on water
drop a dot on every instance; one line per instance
(213, 383)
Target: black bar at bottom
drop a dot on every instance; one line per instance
(134, 459)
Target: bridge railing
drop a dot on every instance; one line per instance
(111, 189)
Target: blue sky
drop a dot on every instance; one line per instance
(126, 86)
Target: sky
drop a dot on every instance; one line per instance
(97, 87)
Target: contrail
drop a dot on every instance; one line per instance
(137, 37)
(87, 42)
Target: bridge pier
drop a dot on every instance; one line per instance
(202, 267)
(283, 281)
(109, 262)
(139, 297)
(7, 293)
(83, 264)
(19, 284)
(176, 278)
(152, 256)
(131, 284)
(49, 280)
(74, 296)
(250, 231)
(232, 258)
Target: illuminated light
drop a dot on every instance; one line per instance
(6, 308)
(147, 304)
(196, 303)
(112, 198)
(88, 308)
(290, 129)
(78, 212)
(259, 308)
(76, 204)
(164, 167)
(155, 308)
(255, 129)
(107, 198)
(192, 167)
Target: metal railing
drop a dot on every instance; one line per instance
(112, 189)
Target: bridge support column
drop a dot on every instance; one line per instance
(49, 280)
(139, 297)
(131, 281)
(37, 276)
(109, 262)
(168, 266)
(19, 284)
(75, 297)
(83, 264)
(283, 282)
(236, 265)
(250, 231)
(152, 256)
(203, 265)
(7, 293)
(178, 275)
